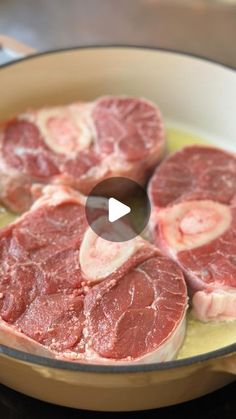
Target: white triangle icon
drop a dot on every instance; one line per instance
(116, 210)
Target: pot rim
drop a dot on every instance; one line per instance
(116, 46)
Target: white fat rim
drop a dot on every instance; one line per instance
(94, 266)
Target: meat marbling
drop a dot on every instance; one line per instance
(78, 145)
(67, 293)
(194, 222)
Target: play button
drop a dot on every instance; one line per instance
(118, 209)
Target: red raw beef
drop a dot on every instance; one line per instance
(194, 173)
(67, 293)
(78, 145)
(194, 222)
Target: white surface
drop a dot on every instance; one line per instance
(99, 258)
(117, 210)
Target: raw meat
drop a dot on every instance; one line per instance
(67, 293)
(78, 145)
(194, 222)
(193, 173)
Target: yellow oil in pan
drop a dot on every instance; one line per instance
(6, 217)
(200, 337)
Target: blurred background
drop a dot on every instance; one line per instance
(203, 27)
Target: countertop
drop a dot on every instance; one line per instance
(202, 27)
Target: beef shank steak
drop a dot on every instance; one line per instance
(194, 222)
(79, 145)
(67, 293)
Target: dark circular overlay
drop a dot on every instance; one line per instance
(127, 192)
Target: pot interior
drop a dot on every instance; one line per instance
(197, 99)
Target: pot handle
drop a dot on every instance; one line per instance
(226, 364)
(11, 49)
